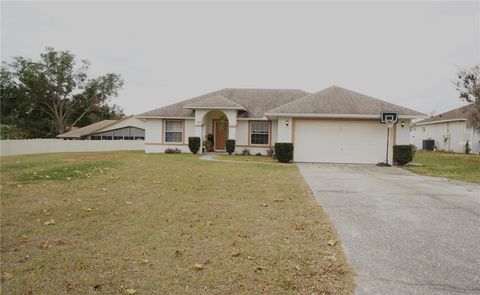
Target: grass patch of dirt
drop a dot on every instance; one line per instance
(168, 224)
(449, 165)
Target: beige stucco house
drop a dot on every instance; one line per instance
(333, 125)
(450, 131)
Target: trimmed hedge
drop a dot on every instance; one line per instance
(403, 154)
(230, 146)
(194, 144)
(284, 151)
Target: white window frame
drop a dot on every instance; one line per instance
(269, 133)
(165, 132)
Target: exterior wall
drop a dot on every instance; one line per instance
(284, 131)
(242, 133)
(252, 150)
(475, 143)
(402, 133)
(154, 136)
(448, 136)
(40, 146)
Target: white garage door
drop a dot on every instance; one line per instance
(340, 141)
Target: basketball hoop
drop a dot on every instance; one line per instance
(390, 124)
(390, 119)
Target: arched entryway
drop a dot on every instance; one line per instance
(215, 123)
(215, 130)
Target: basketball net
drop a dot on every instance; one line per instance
(390, 124)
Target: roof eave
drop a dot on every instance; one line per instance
(441, 121)
(357, 116)
(163, 117)
(215, 108)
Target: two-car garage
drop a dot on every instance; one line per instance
(339, 141)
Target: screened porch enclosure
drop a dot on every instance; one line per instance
(126, 133)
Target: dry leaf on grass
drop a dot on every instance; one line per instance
(87, 209)
(332, 243)
(264, 205)
(130, 291)
(235, 253)
(97, 287)
(68, 286)
(61, 242)
(44, 245)
(49, 222)
(6, 276)
(178, 253)
(198, 266)
(128, 203)
(300, 226)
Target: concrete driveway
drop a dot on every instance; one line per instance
(402, 233)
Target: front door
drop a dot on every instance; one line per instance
(220, 134)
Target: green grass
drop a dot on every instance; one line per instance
(146, 221)
(263, 159)
(454, 166)
(67, 171)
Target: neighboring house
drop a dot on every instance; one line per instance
(332, 125)
(129, 128)
(450, 130)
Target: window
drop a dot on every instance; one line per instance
(259, 133)
(174, 131)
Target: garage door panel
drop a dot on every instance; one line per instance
(339, 141)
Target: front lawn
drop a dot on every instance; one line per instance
(449, 165)
(263, 159)
(129, 222)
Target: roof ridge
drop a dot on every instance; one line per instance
(299, 99)
(249, 88)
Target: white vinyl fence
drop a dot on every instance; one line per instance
(38, 146)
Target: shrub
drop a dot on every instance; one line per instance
(467, 148)
(246, 152)
(230, 146)
(270, 152)
(284, 151)
(173, 151)
(258, 154)
(194, 144)
(403, 154)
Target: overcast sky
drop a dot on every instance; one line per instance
(406, 53)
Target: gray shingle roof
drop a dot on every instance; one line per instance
(214, 101)
(467, 112)
(255, 101)
(338, 100)
(79, 132)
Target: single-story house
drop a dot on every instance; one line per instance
(333, 125)
(450, 131)
(129, 128)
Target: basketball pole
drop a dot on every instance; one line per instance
(388, 139)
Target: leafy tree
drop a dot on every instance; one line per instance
(468, 85)
(54, 93)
